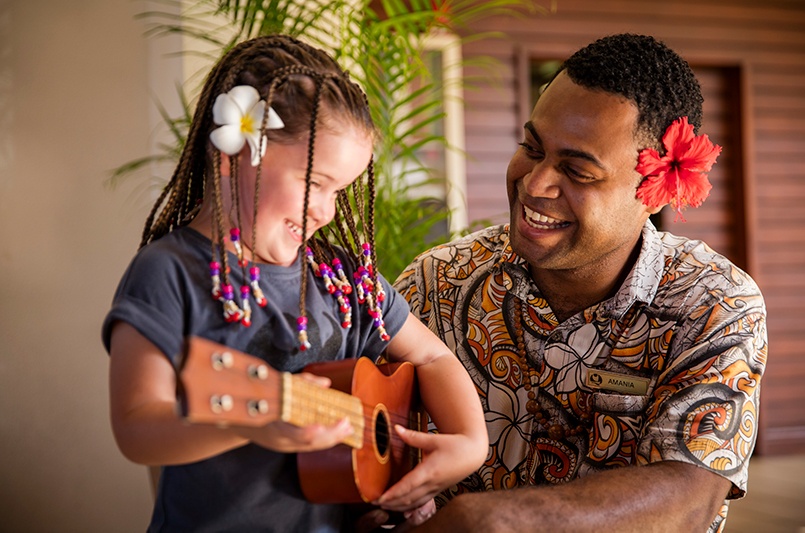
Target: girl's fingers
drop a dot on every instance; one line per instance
(417, 439)
(313, 378)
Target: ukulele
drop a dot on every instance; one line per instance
(222, 386)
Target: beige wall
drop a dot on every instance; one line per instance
(76, 85)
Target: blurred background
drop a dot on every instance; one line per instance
(80, 88)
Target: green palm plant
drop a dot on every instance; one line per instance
(381, 43)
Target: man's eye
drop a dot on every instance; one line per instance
(579, 176)
(530, 150)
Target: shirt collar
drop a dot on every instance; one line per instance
(509, 261)
(643, 280)
(640, 285)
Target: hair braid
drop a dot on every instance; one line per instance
(370, 226)
(218, 226)
(308, 172)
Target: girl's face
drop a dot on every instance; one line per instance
(338, 159)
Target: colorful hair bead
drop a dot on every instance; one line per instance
(246, 320)
(254, 282)
(215, 274)
(345, 307)
(345, 285)
(327, 275)
(301, 328)
(360, 289)
(312, 261)
(337, 285)
(232, 312)
(234, 236)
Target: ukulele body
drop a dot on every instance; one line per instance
(344, 474)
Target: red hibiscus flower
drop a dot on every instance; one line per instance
(679, 177)
(442, 10)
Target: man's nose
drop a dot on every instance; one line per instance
(542, 181)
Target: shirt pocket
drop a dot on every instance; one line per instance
(616, 425)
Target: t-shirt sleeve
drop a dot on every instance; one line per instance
(149, 298)
(395, 313)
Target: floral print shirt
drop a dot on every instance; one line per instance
(668, 369)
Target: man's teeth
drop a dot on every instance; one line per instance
(537, 220)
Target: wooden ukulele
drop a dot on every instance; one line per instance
(222, 386)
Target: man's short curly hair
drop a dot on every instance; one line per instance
(645, 71)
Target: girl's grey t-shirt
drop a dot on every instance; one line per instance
(166, 295)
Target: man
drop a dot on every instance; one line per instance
(619, 367)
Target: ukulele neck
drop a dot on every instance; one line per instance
(304, 403)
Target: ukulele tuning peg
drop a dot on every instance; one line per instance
(257, 407)
(221, 404)
(222, 360)
(258, 372)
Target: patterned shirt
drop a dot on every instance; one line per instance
(668, 369)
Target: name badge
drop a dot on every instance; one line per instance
(603, 380)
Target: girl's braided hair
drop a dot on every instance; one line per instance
(308, 90)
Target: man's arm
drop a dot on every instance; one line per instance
(664, 496)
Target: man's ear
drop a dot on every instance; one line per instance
(654, 210)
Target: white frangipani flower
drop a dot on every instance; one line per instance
(240, 115)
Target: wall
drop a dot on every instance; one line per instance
(764, 42)
(77, 81)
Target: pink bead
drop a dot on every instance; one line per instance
(302, 320)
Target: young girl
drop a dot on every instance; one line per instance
(233, 252)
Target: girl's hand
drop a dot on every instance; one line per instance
(446, 460)
(286, 438)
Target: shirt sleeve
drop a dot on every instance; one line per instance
(705, 405)
(406, 285)
(395, 313)
(149, 298)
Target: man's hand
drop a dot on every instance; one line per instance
(373, 520)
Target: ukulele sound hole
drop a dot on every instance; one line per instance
(382, 433)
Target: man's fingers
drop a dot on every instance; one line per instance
(421, 514)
